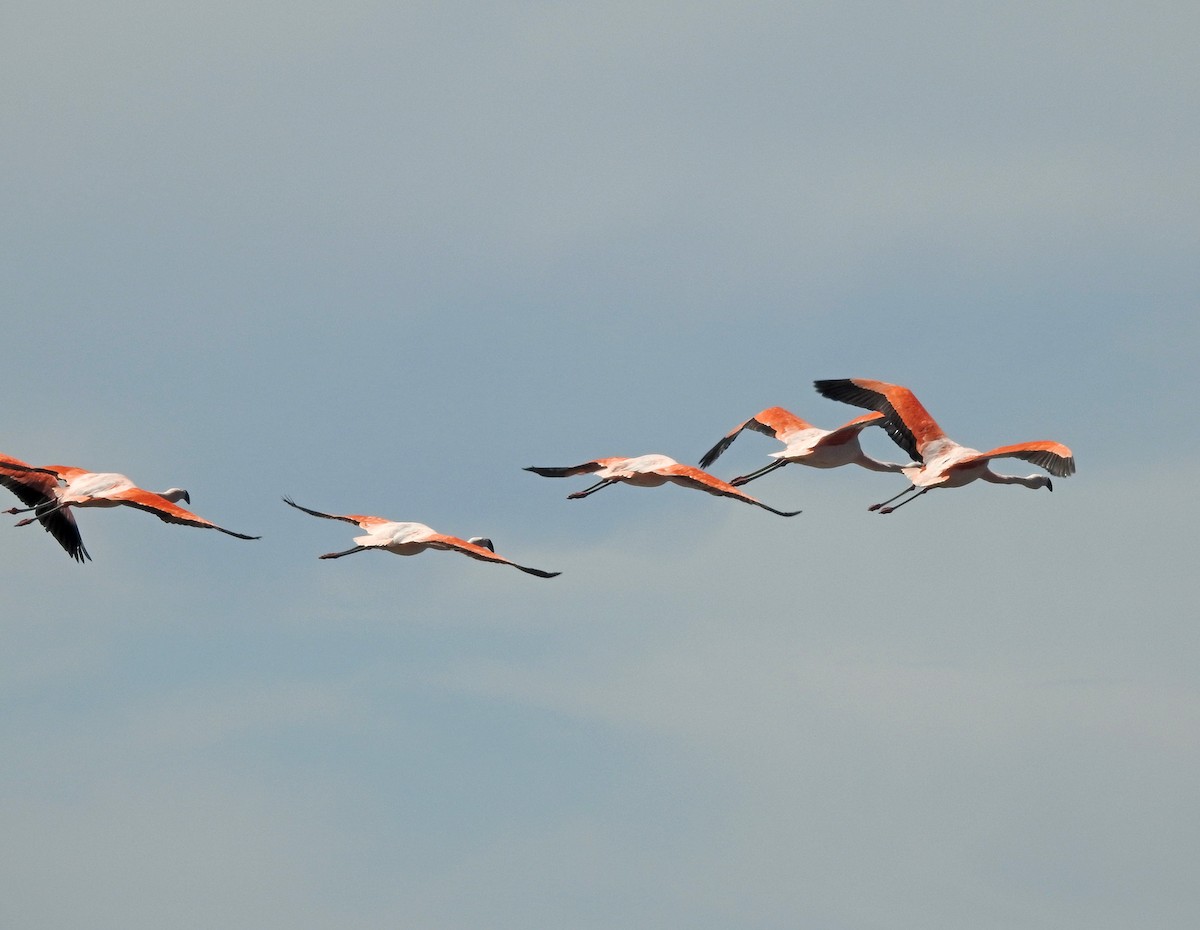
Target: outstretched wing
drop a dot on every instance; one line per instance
(691, 477)
(847, 431)
(475, 551)
(359, 519)
(1052, 456)
(169, 512)
(774, 421)
(16, 465)
(905, 419)
(566, 472)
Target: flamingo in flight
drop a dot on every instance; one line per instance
(804, 443)
(82, 488)
(651, 471)
(39, 492)
(943, 462)
(413, 538)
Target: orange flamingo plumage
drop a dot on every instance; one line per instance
(650, 471)
(943, 462)
(39, 491)
(804, 443)
(405, 538)
(83, 488)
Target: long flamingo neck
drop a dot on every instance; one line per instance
(1030, 481)
(875, 465)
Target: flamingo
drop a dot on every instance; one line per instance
(804, 443)
(651, 471)
(83, 488)
(943, 462)
(39, 492)
(413, 538)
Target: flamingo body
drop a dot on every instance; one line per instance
(407, 538)
(651, 471)
(804, 443)
(83, 488)
(942, 461)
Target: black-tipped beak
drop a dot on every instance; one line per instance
(1049, 485)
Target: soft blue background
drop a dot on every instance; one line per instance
(380, 256)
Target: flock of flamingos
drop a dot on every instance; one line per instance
(50, 492)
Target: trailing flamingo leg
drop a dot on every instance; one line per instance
(907, 490)
(902, 503)
(338, 555)
(38, 513)
(746, 479)
(592, 490)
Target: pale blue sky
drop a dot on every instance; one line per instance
(381, 256)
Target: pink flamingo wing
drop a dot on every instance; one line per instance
(454, 543)
(167, 511)
(566, 472)
(359, 519)
(1054, 457)
(774, 421)
(905, 419)
(36, 488)
(847, 431)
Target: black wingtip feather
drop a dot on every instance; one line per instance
(846, 391)
(715, 452)
(549, 472)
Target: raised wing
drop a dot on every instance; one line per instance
(359, 519)
(905, 419)
(16, 465)
(847, 431)
(774, 421)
